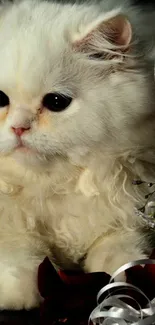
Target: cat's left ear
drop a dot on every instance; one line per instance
(112, 33)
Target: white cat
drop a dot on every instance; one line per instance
(77, 125)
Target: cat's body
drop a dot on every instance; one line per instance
(66, 177)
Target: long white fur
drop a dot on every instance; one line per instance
(70, 194)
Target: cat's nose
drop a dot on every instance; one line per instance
(19, 131)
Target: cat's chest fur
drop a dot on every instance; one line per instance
(56, 209)
(70, 212)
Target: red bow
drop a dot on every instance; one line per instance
(69, 296)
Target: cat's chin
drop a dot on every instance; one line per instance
(29, 158)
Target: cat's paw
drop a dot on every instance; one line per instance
(110, 260)
(120, 277)
(18, 288)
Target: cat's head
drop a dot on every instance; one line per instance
(70, 81)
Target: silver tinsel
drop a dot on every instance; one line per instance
(147, 212)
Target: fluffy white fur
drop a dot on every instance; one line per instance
(68, 193)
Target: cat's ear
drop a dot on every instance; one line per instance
(113, 33)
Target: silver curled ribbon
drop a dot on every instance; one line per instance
(114, 311)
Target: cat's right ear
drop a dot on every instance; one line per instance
(114, 33)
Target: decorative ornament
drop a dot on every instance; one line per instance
(121, 303)
(147, 212)
(70, 296)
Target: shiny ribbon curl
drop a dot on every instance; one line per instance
(113, 311)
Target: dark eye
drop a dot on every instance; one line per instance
(4, 99)
(56, 102)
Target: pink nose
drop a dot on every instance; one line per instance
(19, 131)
